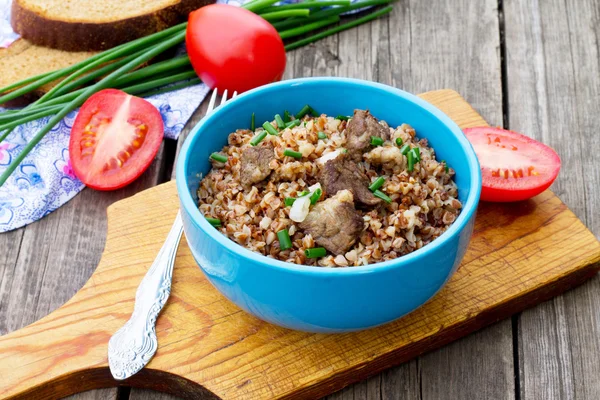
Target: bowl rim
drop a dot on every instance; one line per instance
(469, 208)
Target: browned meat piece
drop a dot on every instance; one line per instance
(254, 164)
(342, 173)
(334, 223)
(359, 131)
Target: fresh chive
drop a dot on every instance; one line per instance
(253, 122)
(446, 166)
(292, 153)
(269, 128)
(321, 135)
(280, 123)
(339, 28)
(258, 5)
(417, 152)
(377, 184)
(286, 116)
(275, 15)
(219, 157)
(399, 142)
(342, 118)
(305, 110)
(289, 201)
(214, 221)
(307, 4)
(285, 242)
(292, 124)
(411, 161)
(315, 196)
(405, 149)
(376, 141)
(382, 196)
(258, 138)
(315, 252)
(331, 11)
(166, 89)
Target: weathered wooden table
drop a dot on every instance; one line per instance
(529, 65)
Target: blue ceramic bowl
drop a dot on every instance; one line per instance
(327, 299)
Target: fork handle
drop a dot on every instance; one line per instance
(132, 347)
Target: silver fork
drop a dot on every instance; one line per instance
(132, 346)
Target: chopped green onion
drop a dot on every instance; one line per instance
(382, 196)
(305, 110)
(314, 112)
(303, 193)
(214, 222)
(253, 122)
(315, 196)
(284, 239)
(405, 149)
(292, 153)
(446, 166)
(315, 252)
(417, 152)
(377, 184)
(258, 138)
(344, 151)
(376, 141)
(218, 157)
(322, 135)
(269, 128)
(289, 201)
(286, 116)
(411, 161)
(342, 118)
(280, 123)
(292, 124)
(399, 142)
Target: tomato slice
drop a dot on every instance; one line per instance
(513, 166)
(114, 139)
(233, 48)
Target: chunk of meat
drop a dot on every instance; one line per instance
(359, 131)
(254, 164)
(342, 173)
(334, 223)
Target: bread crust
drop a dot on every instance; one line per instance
(85, 36)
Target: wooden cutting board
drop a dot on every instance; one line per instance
(520, 254)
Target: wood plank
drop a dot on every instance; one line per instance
(517, 258)
(44, 264)
(554, 91)
(418, 50)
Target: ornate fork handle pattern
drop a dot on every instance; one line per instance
(130, 349)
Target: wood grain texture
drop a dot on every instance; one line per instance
(44, 264)
(553, 81)
(518, 257)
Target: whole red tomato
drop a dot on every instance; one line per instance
(233, 48)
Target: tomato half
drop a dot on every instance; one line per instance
(114, 139)
(233, 48)
(513, 166)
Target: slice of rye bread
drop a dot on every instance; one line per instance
(23, 59)
(85, 25)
